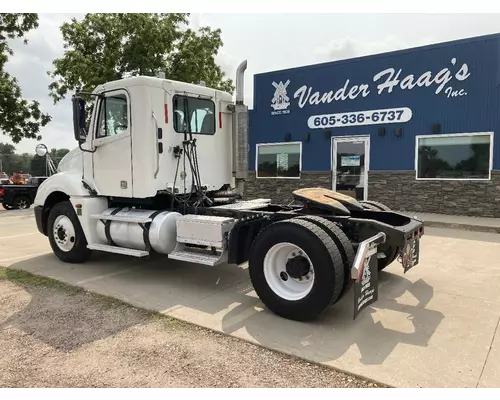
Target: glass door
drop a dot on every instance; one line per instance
(350, 164)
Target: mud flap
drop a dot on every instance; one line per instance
(411, 253)
(365, 273)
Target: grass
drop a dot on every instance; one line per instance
(24, 278)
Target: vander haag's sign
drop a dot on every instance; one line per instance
(443, 82)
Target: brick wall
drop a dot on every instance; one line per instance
(280, 190)
(398, 190)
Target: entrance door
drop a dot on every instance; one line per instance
(350, 165)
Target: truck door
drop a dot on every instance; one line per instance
(112, 159)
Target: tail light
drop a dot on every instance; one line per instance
(1, 192)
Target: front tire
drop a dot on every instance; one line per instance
(296, 269)
(66, 235)
(7, 206)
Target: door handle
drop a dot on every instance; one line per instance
(157, 150)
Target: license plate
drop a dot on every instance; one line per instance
(411, 251)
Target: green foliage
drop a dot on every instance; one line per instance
(106, 47)
(11, 162)
(38, 165)
(18, 118)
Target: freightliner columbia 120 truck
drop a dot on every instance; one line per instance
(160, 167)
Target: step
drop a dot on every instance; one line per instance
(122, 218)
(118, 250)
(196, 257)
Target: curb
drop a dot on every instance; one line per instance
(464, 227)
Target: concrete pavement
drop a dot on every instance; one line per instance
(436, 326)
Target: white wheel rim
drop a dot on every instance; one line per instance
(275, 266)
(64, 233)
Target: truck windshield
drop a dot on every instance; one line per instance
(200, 115)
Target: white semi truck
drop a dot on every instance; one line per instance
(161, 167)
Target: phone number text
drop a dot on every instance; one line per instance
(357, 118)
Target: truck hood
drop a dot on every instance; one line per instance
(73, 161)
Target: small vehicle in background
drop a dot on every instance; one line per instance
(20, 196)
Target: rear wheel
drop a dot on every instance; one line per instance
(343, 244)
(390, 252)
(66, 235)
(22, 203)
(296, 269)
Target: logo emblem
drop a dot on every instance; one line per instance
(366, 273)
(280, 100)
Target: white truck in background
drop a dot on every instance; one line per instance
(161, 168)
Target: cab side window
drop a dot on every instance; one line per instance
(113, 116)
(194, 115)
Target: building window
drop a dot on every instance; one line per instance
(463, 156)
(278, 160)
(200, 112)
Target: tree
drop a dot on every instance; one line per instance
(107, 47)
(11, 162)
(18, 118)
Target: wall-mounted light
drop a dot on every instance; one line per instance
(288, 137)
(399, 132)
(381, 131)
(328, 135)
(436, 128)
(307, 137)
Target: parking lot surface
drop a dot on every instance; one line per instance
(435, 326)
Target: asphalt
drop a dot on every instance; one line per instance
(435, 326)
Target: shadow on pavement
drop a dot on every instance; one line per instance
(222, 298)
(336, 332)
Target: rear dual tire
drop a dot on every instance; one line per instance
(296, 269)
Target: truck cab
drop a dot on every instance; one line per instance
(138, 124)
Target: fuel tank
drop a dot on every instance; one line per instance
(161, 232)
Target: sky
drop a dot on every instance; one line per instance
(268, 41)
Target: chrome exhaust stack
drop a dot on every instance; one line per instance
(240, 132)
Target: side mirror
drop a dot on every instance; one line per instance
(79, 129)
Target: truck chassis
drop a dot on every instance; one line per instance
(301, 258)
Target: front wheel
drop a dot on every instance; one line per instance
(66, 235)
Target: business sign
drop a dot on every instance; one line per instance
(445, 81)
(350, 161)
(358, 118)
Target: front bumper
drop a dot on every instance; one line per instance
(39, 220)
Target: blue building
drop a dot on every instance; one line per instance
(413, 129)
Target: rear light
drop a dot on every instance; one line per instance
(166, 113)
(220, 120)
(1, 192)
